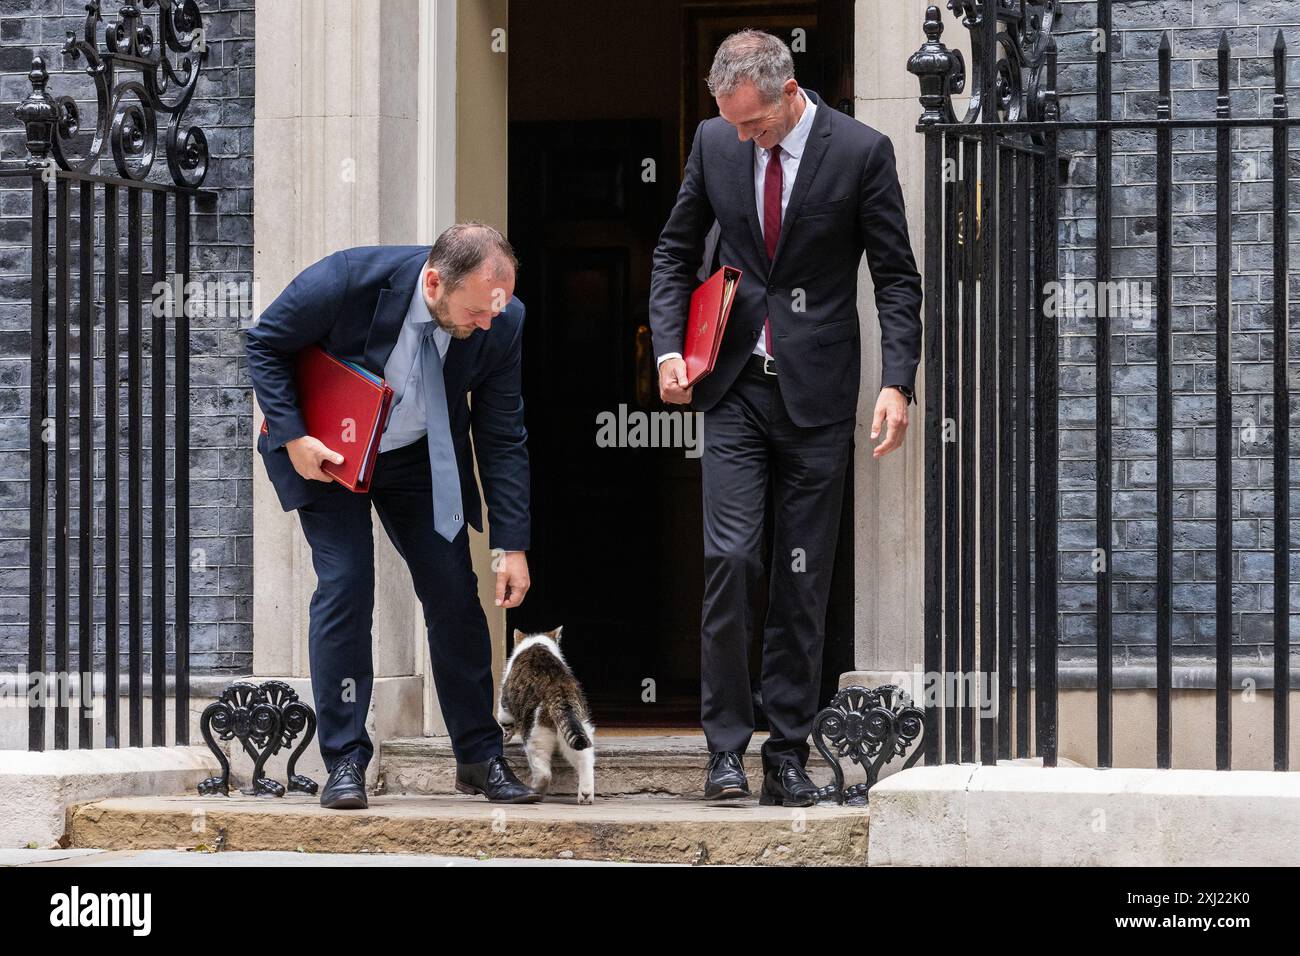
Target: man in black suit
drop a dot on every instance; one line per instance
(799, 192)
(437, 324)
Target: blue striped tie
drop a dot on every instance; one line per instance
(447, 517)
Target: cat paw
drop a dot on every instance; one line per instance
(541, 784)
(586, 797)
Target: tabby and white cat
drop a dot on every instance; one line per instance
(541, 699)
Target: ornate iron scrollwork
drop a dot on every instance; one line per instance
(870, 728)
(265, 719)
(1019, 91)
(127, 107)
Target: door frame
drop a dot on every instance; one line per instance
(446, 141)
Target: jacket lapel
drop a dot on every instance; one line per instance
(390, 312)
(745, 183)
(819, 139)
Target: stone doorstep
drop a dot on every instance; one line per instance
(637, 829)
(626, 764)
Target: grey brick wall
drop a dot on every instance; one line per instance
(221, 403)
(1194, 27)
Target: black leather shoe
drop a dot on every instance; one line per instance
(495, 780)
(346, 787)
(787, 786)
(725, 776)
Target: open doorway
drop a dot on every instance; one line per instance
(604, 98)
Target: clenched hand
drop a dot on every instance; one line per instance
(672, 382)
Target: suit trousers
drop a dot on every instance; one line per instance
(752, 449)
(337, 526)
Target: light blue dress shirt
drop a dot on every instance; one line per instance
(406, 419)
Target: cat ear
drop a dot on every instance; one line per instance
(555, 634)
(519, 635)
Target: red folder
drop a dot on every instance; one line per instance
(346, 408)
(710, 306)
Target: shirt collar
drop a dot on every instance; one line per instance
(797, 138)
(418, 312)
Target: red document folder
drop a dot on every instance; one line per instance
(346, 408)
(710, 306)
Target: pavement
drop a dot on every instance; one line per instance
(157, 858)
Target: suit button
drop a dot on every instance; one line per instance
(754, 335)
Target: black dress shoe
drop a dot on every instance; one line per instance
(346, 787)
(495, 780)
(787, 786)
(725, 776)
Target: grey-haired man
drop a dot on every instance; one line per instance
(800, 192)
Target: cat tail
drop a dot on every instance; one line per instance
(570, 727)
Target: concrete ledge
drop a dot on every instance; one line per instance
(1008, 815)
(1188, 673)
(37, 788)
(1135, 715)
(396, 710)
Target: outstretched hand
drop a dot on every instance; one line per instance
(512, 578)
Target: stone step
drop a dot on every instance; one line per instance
(640, 763)
(642, 829)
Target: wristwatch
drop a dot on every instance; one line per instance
(907, 392)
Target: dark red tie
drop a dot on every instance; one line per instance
(771, 221)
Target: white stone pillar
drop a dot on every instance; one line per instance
(338, 141)
(889, 494)
(464, 135)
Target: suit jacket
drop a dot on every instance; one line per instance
(353, 303)
(845, 201)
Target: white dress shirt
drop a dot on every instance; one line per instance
(403, 372)
(792, 149)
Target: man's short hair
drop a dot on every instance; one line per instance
(464, 248)
(755, 57)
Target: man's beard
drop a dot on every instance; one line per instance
(442, 315)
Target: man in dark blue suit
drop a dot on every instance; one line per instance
(438, 324)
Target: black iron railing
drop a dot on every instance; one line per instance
(135, 82)
(992, 386)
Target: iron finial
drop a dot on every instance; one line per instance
(38, 114)
(940, 71)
